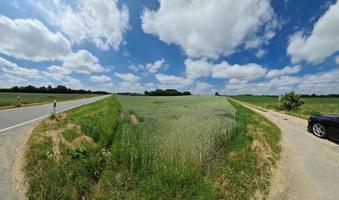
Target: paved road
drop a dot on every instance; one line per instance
(14, 117)
(12, 140)
(309, 166)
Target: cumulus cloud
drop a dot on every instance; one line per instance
(100, 79)
(249, 71)
(12, 75)
(284, 71)
(58, 70)
(203, 88)
(101, 22)
(320, 83)
(173, 81)
(211, 28)
(223, 70)
(12, 68)
(72, 83)
(30, 39)
(156, 66)
(129, 77)
(197, 68)
(82, 62)
(321, 43)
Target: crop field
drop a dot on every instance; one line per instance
(312, 106)
(133, 147)
(9, 99)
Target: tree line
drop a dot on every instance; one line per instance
(158, 92)
(167, 92)
(60, 89)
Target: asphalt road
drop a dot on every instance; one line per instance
(15, 127)
(308, 167)
(15, 117)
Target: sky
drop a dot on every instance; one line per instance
(204, 46)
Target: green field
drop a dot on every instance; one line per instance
(9, 99)
(312, 106)
(127, 147)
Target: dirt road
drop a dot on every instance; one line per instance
(308, 167)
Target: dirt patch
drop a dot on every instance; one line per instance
(261, 150)
(19, 175)
(61, 116)
(73, 126)
(57, 140)
(134, 119)
(83, 140)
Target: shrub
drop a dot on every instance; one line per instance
(290, 101)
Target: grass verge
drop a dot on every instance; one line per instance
(312, 106)
(252, 153)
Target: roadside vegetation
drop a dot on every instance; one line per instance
(311, 106)
(9, 99)
(152, 148)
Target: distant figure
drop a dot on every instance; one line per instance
(18, 102)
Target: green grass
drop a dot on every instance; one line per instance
(312, 106)
(9, 99)
(179, 148)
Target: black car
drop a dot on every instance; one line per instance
(324, 126)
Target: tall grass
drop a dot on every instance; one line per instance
(182, 128)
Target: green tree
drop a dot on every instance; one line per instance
(290, 101)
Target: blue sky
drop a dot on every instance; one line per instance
(233, 47)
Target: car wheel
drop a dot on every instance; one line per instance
(319, 130)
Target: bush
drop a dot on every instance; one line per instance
(290, 101)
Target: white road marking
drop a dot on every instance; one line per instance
(32, 120)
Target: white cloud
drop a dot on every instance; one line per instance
(321, 43)
(100, 79)
(72, 83)
(8, 80)
(82, 62)
(197, 68)
(58, 70)
(101, 22)
(173, 81)
(30, 39)
(12, 68)
(12, 75)
(319, 83)
(260, 53)
(211, 28)
(156, 66)
(249, 71)
(203, 88)
(223, 70)
(284, 71)
(129, 77)
(135, 68)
